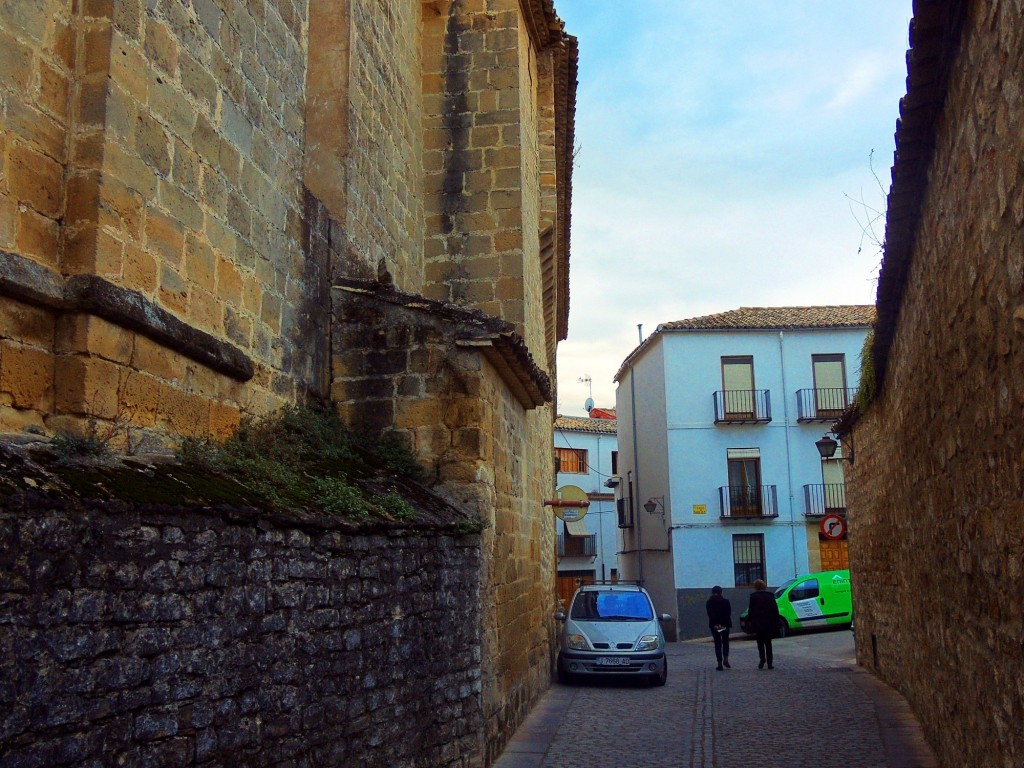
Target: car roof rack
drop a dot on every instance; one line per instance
(609, 583)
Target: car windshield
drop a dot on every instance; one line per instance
(612, 606)
(784, 587)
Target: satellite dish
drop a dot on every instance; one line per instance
(589, 405)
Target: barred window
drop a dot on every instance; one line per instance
(748, 558)
(572, 460)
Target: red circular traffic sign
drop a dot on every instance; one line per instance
(833, 526)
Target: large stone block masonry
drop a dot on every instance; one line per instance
(935, 489)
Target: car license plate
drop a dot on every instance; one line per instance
(612, 661)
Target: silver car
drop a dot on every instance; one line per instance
(612, 629)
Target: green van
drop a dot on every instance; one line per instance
(812, 601)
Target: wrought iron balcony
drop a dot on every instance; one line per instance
(824, 499)
(748, 502)
(822, 404)
(742, 406)
(576, 546)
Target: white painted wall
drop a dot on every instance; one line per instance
(600, 518)
(697, 447)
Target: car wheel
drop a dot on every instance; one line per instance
(662, 677)
(783, 627)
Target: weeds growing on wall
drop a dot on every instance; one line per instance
(303, 457)
(866, 388)
(71, 447)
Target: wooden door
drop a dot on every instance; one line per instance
(569, 582)
(835, 554)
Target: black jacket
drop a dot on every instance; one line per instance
(763, 612)
(719, 612)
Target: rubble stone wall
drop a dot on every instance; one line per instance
(207, 637)
(935, 489)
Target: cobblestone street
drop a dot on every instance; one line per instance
(816, 709)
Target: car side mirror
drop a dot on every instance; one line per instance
(664, 617)
(559, 615)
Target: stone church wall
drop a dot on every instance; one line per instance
(935, 491)
(185, 185)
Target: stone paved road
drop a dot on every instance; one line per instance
(816, 709)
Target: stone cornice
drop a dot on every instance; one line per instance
(30, 282)
(494, 338)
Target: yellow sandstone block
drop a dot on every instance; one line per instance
(35, 179)
(87, 385)
(224, 419)
(26, 323)
(182, 413)
(410, 414)
(86, 333)
(37, 236)
(140, 270)
(157, 360)
(26, 376)
(140, 398)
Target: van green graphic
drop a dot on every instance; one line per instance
(815, 600)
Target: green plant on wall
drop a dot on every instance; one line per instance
(866, 388)
(303, 457)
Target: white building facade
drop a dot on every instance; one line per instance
(586, 450)
(722, 482)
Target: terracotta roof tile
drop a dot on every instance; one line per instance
(755, 318)
(583, 424)
(763, 318)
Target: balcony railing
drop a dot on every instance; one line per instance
(825, 499)
(576, 546)
(742, 406)
(822, 404)
(748, 502)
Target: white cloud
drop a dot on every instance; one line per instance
(719, 143)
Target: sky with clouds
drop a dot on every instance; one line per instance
(723, 161)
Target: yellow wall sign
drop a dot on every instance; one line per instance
(700, 509)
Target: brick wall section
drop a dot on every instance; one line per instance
(935, 491)
(206, 637)
(364, 134)
(385, 165)
(520, 545)
(529, 304)
(182, 182)
(480, 155)
(400, 370)
(37, 61)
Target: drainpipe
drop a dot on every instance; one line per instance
(600, 515)
(789, 458)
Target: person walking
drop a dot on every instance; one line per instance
(763, 614)
(719, 622)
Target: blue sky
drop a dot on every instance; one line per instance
(723, 162)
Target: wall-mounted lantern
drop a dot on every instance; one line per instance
(826, 447)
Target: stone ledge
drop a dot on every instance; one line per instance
(495, 338)
(27, 281)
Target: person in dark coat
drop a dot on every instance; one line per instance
(719, 622)
(763, 614)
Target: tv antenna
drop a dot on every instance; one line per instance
(585, 379)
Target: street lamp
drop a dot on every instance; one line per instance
(826, 446)
(651, 505)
